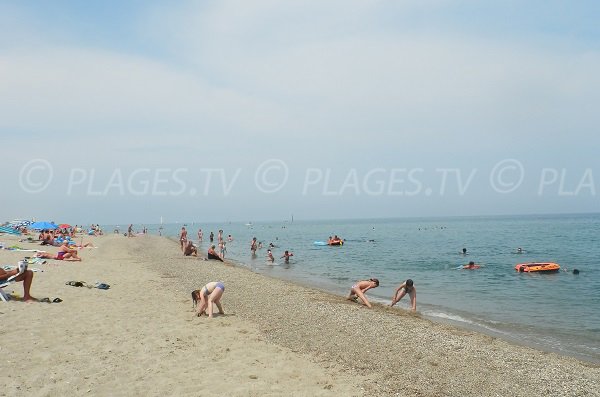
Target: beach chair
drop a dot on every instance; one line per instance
(22, 266)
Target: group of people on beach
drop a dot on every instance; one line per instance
(256, 245)
(63, 238)
(189, 249)
(358, 291)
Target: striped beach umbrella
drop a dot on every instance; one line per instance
(19, 223)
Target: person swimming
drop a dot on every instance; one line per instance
(471, 265)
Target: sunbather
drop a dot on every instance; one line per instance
(60, 256)
(212, 254)
(26, 277)
(190, 250)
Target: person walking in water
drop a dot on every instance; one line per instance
(359, 289)
(406, 287)
(286, 256)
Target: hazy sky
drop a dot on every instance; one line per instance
(116, 111)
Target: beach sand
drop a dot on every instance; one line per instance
(141, 337)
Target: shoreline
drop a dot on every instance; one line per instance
(427, 350)
(277, 338)
(376, 301)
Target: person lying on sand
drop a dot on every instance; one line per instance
(360, 288)
(60, 256)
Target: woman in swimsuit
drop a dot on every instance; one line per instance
(212, 254)
(183, 238)
(209, 294)
(360, 288)
(406, 287)
(61, 256)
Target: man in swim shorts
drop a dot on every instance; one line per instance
(209, 294)
(406, 287)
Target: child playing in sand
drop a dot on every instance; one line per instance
(209, 294)
(406, 287)
(360, 288)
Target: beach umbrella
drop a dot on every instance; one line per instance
(64, 226)
(42, 225)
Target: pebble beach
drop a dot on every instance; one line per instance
(141, 337)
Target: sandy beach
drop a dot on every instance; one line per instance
(141, 337)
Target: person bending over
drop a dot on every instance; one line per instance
(406, 287)
(360, 288)
(209, 294)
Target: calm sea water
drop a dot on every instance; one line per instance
(558, 312)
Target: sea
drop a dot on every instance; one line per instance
(557, 312)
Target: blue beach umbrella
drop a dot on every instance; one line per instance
(43, 225)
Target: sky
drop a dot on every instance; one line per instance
(129, 111)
